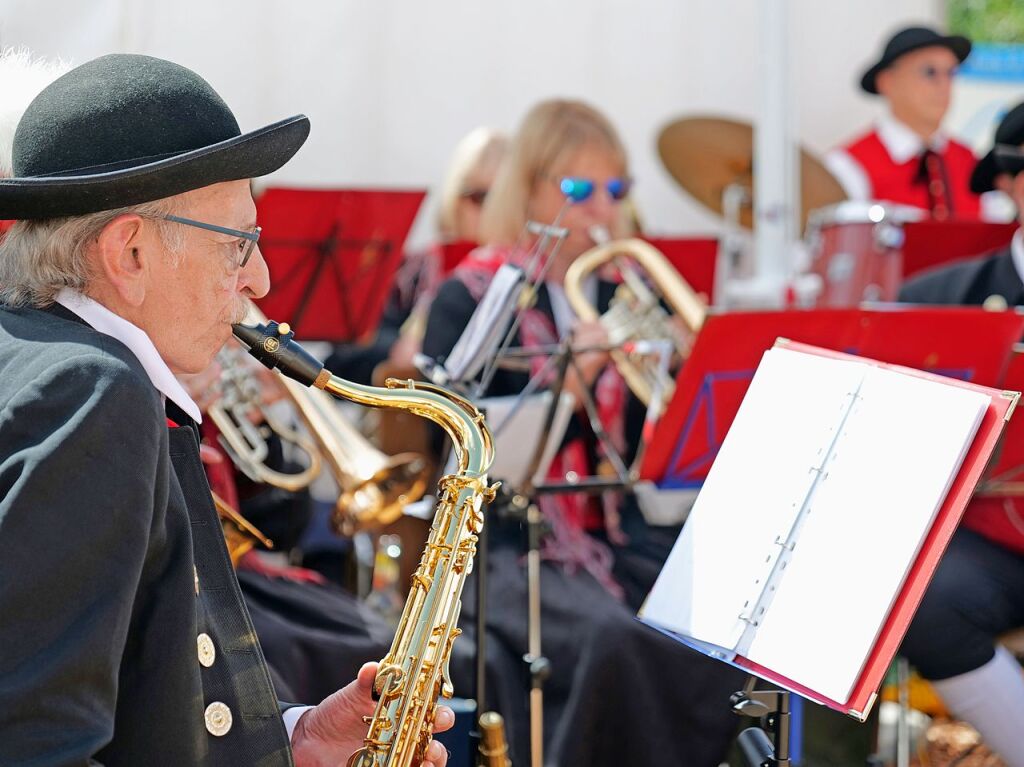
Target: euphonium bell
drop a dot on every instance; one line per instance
(236, 414)
(635, 312)
(374, 487)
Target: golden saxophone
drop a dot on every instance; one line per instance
(415, 670)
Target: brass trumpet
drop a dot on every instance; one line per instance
(635, 312)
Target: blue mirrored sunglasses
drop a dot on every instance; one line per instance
(579, 189)
(250, 238)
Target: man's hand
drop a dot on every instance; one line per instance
(330, 733)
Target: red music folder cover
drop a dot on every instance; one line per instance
(968, 427)
(333, 254)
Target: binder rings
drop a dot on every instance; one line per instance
(823, 517)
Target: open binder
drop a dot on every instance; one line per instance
(823, 517)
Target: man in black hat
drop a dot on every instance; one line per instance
(123, 635)
(907, 158)
(977, 592)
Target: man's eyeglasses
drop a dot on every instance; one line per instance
(579, 189)
(246, 247)
(929, 72)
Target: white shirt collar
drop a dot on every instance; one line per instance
(1017, 252)
(136, 339)
(902, 143)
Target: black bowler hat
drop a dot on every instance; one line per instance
(126, 129)
(912, 39)
(1009, 135)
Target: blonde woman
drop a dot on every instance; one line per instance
(619, 693)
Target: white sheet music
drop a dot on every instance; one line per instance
(488, 325)
(884, 476)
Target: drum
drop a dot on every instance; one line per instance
(855, 248)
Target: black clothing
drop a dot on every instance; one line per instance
(619, 693)
(106, 527)
(977, 594)
(968, 282)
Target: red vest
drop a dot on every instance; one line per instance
(896, 182)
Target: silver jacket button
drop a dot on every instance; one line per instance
(218, 719)
(207, 652)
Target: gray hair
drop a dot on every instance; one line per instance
(40, 257)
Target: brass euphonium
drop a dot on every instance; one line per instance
(374, 487)
(415, 670)
(635, 312)
(240, 402)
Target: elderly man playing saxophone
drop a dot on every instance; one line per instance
(123, 635)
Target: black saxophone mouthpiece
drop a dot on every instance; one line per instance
(274, 345)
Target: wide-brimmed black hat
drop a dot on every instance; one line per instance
(126, 129)
(1001, 158)
(912, 39)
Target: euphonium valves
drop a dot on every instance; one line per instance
(635, 312)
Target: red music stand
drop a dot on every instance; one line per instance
(333, 255)
(959, 342)
(694, 258)
(930, 244)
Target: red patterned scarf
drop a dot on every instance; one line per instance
(567, 513)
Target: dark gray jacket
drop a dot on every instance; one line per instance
(968, 282)
(112, 566)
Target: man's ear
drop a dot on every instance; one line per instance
(1004, 183)
(119, 259)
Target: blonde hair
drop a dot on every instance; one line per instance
(481, 150)
(549, 135)
(40, 257)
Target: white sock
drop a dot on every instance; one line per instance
(991, 699)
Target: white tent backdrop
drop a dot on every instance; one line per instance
(390, 87)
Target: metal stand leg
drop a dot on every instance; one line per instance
(538, 666)
(902, 720)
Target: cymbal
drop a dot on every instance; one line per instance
(706, 154)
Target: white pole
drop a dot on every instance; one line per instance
(775, 177)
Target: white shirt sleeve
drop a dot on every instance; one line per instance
(291, 718)
(849, 173)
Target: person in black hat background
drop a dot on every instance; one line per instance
(124, 638)
(907, 158)
(977, 592)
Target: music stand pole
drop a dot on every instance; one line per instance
(483, 537)
(538, 666)
(772, 707)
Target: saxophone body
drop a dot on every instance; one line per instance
(415, 671)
